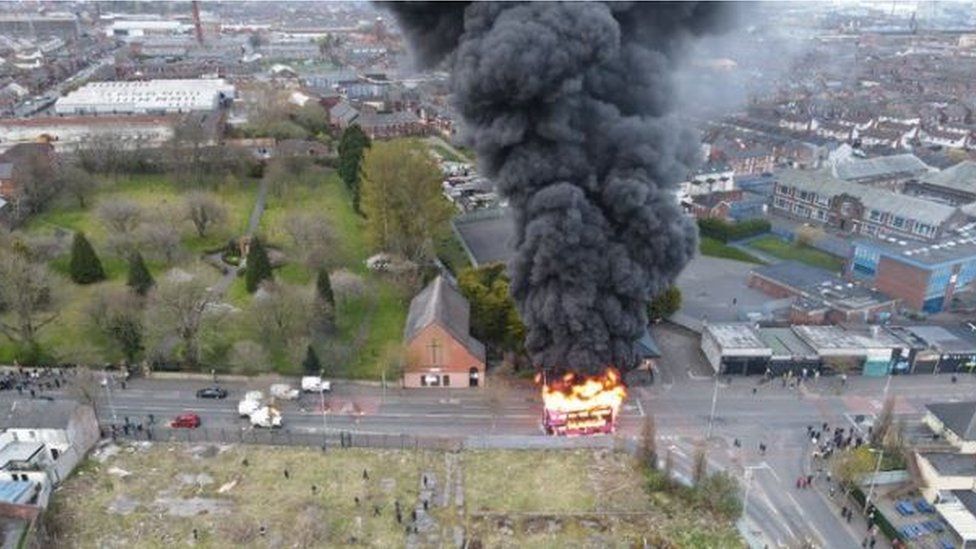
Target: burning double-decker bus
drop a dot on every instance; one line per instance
(575, 405)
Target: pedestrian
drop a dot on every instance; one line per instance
(413, 515)
(287, 475)
(831, 491)
(365, 475)
(425, 480)
(376, 510)
(315, 489)
(356, 499)
(799, 482)
(849, 515)
(195, 534)
(425, 505)
(32, 393)
(872, 542)
(244, 462)
(843, 511)
(753, 390)
(809, 479)
(20, 389)
(263, 530)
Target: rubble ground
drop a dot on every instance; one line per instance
(240, 496)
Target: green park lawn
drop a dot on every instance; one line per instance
(369, 326)
(715, 248)
(69, 337)
(777, 247)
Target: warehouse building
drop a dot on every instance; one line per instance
(147, 97)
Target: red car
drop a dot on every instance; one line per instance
(186, 421)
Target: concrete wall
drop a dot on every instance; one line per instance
(453, 359)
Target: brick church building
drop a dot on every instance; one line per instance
(440, 351)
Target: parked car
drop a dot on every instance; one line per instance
(212, 392)
(315, 384)
(185, 421)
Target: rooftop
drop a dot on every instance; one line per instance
(952, 464)
(442, 304)
(13, 492)
(19, 452)
(880, 167)
(961, 177)
(821, 285)
(828, 338)
(824, 184)
(488, 235)
(954, 248)
(946, 339)
(38, 414)
(785, 343)
(958, 417)
(735, 336)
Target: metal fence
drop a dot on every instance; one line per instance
(282, 437)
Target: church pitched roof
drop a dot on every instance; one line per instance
(441, 303)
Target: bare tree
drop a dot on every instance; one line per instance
(347, 285)
(249, 357)
(118, 314)
(647, 452)
(699, 467)
(35, 182)
(27, 293)
(204, 210)
(160, 241)
(281, 313)
(314, 240)
(881, 429)
(84, 387)
(120, 215)
(179, 305)
(78, 183)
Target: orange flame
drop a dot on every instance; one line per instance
(570, 394)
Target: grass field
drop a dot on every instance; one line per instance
(70, 336)
(509, 499)
(367, 325)
(714, 248)
(778, 247)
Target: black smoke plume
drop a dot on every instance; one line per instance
(569, 108)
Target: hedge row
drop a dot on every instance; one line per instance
(724, 231)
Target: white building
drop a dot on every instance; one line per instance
(42, 442)
(710, 178)
(146, 97)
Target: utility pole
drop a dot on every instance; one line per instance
(874, 478)
(711, 415)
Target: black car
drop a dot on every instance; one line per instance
(212, 392)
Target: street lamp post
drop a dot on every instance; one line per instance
(877, 469)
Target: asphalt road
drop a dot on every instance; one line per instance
(778, 513)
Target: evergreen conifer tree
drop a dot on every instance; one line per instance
(258, 266)
(85, 267)
(140, 280)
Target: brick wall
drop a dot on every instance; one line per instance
(902, 281)
(455, 359)
(770, 287)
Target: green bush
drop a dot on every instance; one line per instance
(724, 231)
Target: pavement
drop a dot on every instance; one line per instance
(708, 286)
(778, 514)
